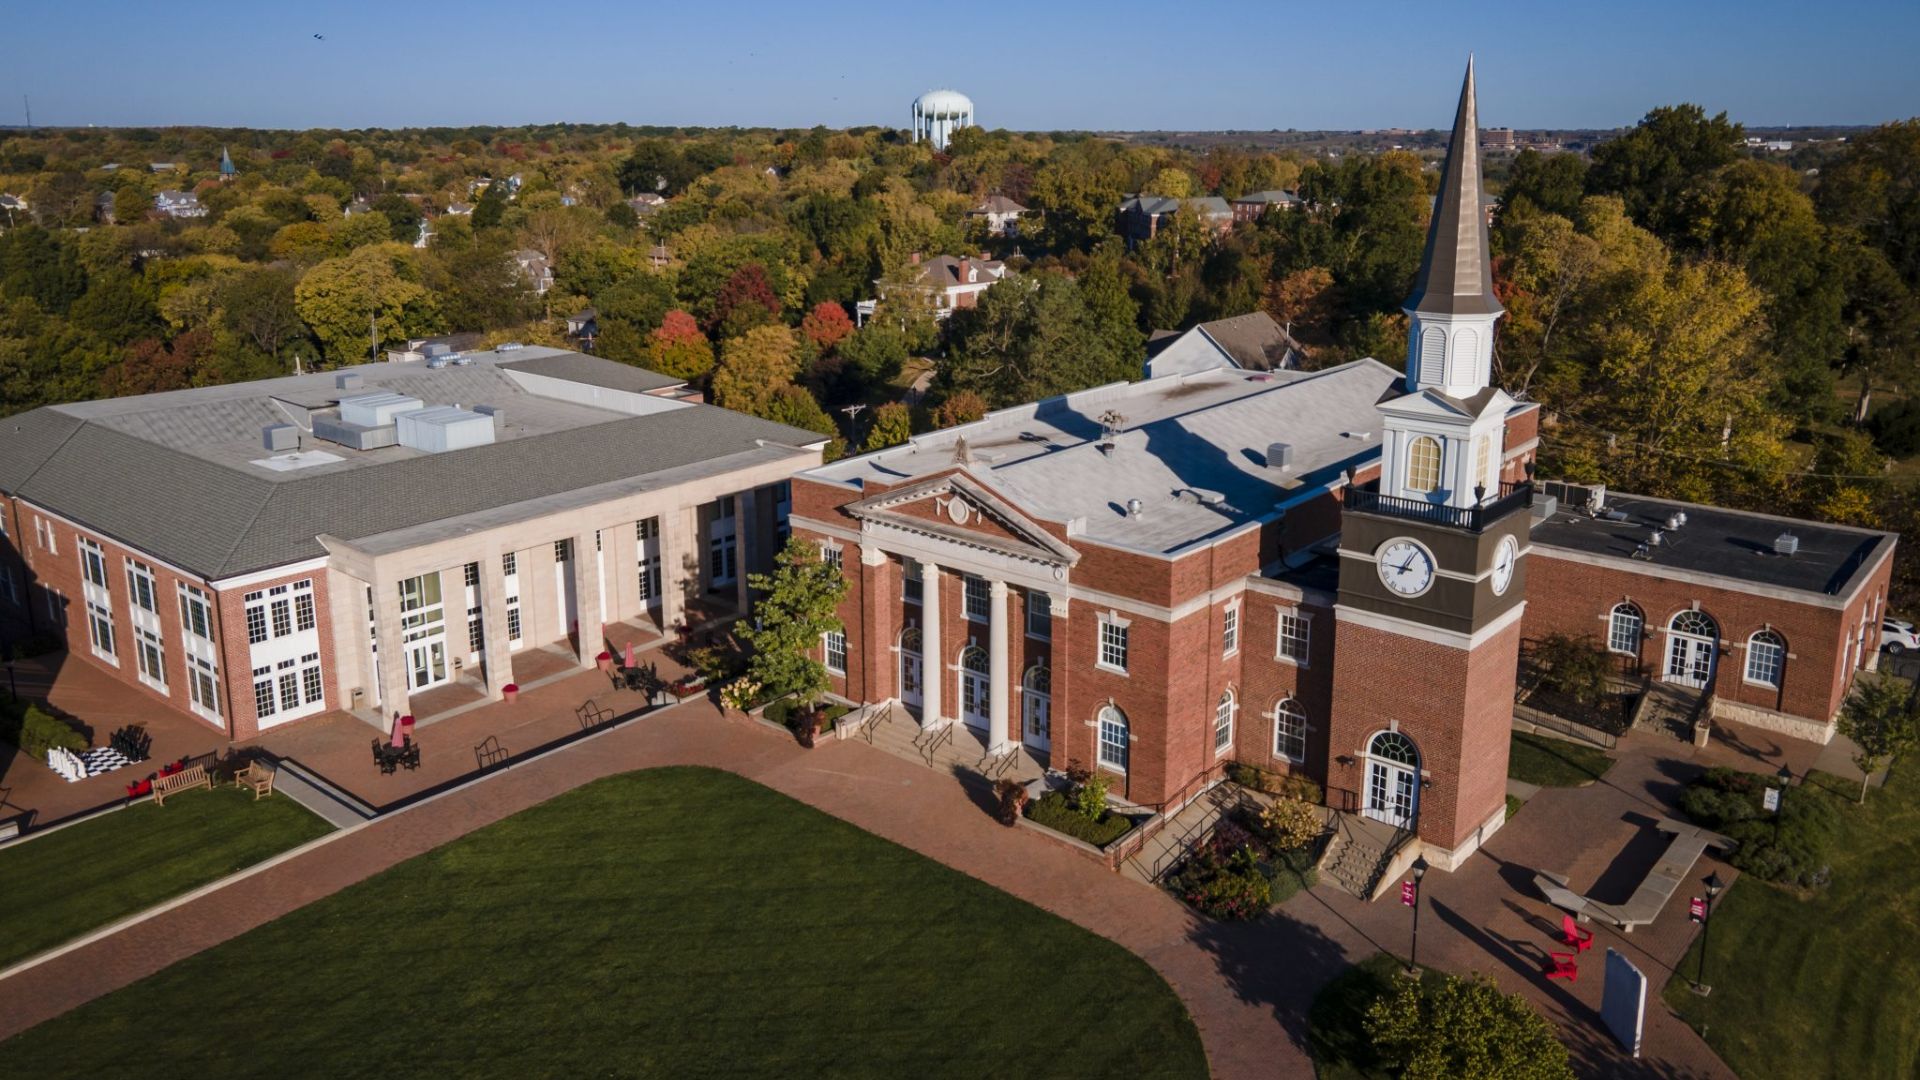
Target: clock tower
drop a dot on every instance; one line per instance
(1432, 560)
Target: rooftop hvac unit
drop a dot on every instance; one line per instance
(437, 362)
(462, 360)
(376, 409)
(1279, 455)
(1786, 544)
(443, 428)
(1545, 506)
(1598, 500)
(348, 380)
(277, 437)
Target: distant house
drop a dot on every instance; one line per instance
(659, 256)
(460, 208)
(584, 324)
(536, 269)
(425, 235)
(1140, 216)
(1001, 214)
(103, 207)
(1251, 342)
(1250, 206)
(163, 166)
(358, 206)
(952, 282)
(13, 205)
(646, 203)
(179, 204)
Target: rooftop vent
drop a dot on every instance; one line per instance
(436, 362)
(348, 380)
(1280, 456)
(1136, 508)
(508, 346)
(1654, 538)
(277, 437)
(462, 360)
(1786, 544)
(1675, 520)
(1617, 515)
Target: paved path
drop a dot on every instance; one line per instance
(1248, 987)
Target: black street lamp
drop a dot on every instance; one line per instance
(1413, 953)
(1714, 885)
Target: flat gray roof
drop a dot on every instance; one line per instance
(176, 474)
(1192, 448)
(1725, 543)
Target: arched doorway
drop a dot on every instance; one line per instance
(1692, 643)
(1036, 708)
(976, 687)
(912, 667)
(1393, 779)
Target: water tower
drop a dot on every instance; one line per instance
(937, 114)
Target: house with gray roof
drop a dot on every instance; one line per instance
(1250, 342)
(381, 539)
(1140, 216)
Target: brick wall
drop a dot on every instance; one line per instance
(1818, 672)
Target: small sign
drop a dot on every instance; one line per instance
(1409, 893)
(1771, 800)
(1697, 909)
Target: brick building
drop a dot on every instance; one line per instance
(251, 554)
(1322, 572)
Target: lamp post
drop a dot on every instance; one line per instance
(1413, 953)
(1714, 885)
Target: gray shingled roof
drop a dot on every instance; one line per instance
(1456, 271)
(219, 520)
(580, 368)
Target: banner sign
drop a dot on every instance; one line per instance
(1408, 893)
(1697, 908)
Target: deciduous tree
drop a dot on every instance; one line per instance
(799, 604)
(678, 348)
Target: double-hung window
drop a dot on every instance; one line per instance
(1040, 616)
(1113, 644)
(910, 582)
(1290, 731)
(978, 599)
(1230, 630)
(1294, 636)
(836, 649)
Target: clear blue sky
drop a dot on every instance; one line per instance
(1044, 64)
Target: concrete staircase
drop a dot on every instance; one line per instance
(1668, 710)
(954, 748)
(1359, 854)
(1195, 822)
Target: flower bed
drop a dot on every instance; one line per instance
(785, 711)
(1251, 862)
(1056, 811)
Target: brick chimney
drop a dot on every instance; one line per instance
(916, 258)
(965, 270)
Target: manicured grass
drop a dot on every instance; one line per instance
(676, 923)
(1336, 1031)
(85, 876)
(1513, 807)
(1547, 762)
(1822, 985)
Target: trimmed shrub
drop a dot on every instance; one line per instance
(1789, 846)
(35, 730)
(1289, 824)
(1291, 785)
(1058, 812)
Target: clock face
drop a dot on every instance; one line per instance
(1406, 566)
(1504, 558)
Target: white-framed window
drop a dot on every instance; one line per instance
(10, 581)
(1423, 464)
(1223, 723)
(44, 533)
(835, 646)
(910, 582)
(310, 681)
(1293, 636)
(513, 618)
(279, 611)
(1289, 730)
(264, 702)
(196, 613)
(977, 597)
(646, 534)
(203, 685)
(1113, 738)
(1624, 627)
(834, 555)
(722, 544)
(303, 614)
(563, 550)
(472, 574)
(476, 630)
(1040, 616)
(281, 607)
(140, 587)
(100, 630)
(93, 564)
(56, 607)
(509, 565)
(150, 657)
(1113, 643)
(1230, 630)
(1766, 658)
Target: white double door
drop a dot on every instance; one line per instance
(1036, 720)
(976, 698)
(1393, 793)
(911, 673)
(1689, 660)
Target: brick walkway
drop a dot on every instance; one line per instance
(1248, 987)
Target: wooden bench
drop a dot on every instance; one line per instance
(257, 776)
(194, 776)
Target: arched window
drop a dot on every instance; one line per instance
(1113, 738)
(1423, 464)
(1223, 723)
(1038, 680)
(1624, 627)
(1696, 623)
(1395, 747)
(910, 640)
(1290, 730)
(1766, 658)
(974, 659)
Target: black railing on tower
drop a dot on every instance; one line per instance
(1472, 518)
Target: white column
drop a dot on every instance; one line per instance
(997, 666)
(393, 653)
(745, 521)
(930, 648)
(495, 649)
(678, 541)
(586, 598)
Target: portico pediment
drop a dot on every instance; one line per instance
(958, 509)
(1434, 405)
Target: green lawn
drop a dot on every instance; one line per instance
(87, 875)
(674, 923)
(1547, 762)
(1822, 986)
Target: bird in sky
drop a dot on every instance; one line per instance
(319, 37)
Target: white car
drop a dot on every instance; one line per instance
(1897, 636)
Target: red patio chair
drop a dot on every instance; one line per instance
(1563, 965)
(1571, 933)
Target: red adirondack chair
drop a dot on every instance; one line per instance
(1573, 934)
(1563, 965)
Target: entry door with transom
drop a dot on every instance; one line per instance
(976, 688)
(1689, 660)
(1037, 719)
(911, 669)
(426, 663)
(1392, 791)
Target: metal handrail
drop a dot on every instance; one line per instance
(1471, 518)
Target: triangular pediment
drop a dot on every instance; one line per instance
(958, 508)
(1434, 405)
